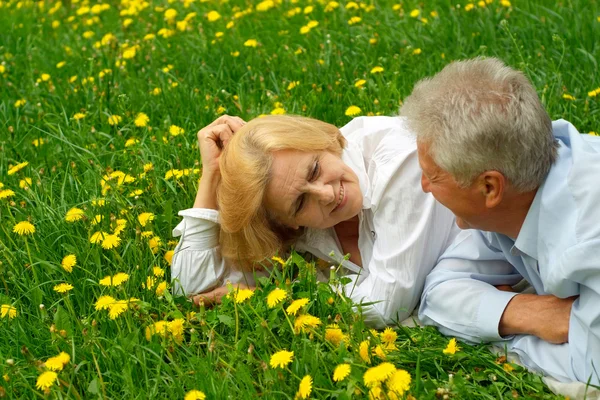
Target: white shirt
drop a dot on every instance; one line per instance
(402, 230)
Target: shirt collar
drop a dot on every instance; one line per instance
(352, 156)
(527, 240)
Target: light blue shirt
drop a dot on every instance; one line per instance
(557, 251)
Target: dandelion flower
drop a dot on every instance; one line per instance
(281, 359)
(117, 308)
(415, 13)
(103, 302)
(160, 288)
(363, 351)
(278, 111)
(58, 362)
(25, 183)
(20, 103)
(293, 84)
(352, 111)
(213, 16)
(8, 310)
(119, 278)
(379, 352)
(24, 228)
(144, 218)
(114, 120)
(6, 193)
(74, 214)
(296, 305)
(334, 335)
(98, 237)
(158, 272)
(278, 259)
(304, 388)
(306, 321)
(378, 374)
(452, 347)
(508, 368)
(111, 242)
(141, 120)
(68, 262)
(169, 256)
(175, 130)
(63, 287)
(376, 70)
(46, 380)
(341, 372)
(360, 83)
(388, 336)
(251, 43)
(275, 297)
(17, 168)
(399, 382)
(154, 243)
(78, 116)
(195, 395)
(242, 295)
(568, 97)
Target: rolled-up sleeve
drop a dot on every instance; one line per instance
(460, 297)
(197, 265)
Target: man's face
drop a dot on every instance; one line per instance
(467, 204)
(312, 189)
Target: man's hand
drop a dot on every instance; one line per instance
(215, 296)
(544, 316)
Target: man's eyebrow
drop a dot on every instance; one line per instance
(294, 206)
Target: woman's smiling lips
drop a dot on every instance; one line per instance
(342, 198)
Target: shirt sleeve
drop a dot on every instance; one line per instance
(197, 265)
(459, 295)
(412, 230)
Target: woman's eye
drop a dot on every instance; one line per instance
(300, 204)
(315, 173)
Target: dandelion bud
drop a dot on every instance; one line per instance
(94, 323)
(250, 349)
(42, 306)
(24, 350)
(10, 361)
(52, 328)
(445, 397)
(63, 333)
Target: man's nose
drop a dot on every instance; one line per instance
(425, 183)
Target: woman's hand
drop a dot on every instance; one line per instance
(215, 296)
(211, 140)
(214, 137)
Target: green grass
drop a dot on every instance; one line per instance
(224, 351)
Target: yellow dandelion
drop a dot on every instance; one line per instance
(568, 97)
(111, 242)
(154, 244)
(117, 308)
(508, 367)
(213, 16)
(38, 142)
(170, 14)
(341, 372)
(304, 388)
(242, 295)
(293, 84)
(57, 363)
(25, 183)
(6, 193)
(63, 288)
(296, 305)
(281, 359)
(360, 83)
(46, 380)
(78, 116)
(103, 302)
(251, 43)
(114, 120)
(160, 288)
(275, 297)
(278, 259)
(17, 168)
(364, 351)
(354, 20)
(74, 214)
(415, 13)
(8, 310)
(452, 347)
(169, 256)
(141, 120)
(278, 111)
(20, 103)
(388, 336)
(469, 7)
(378, 374)
(195, 395)
(379, 352)
(68, 262)
(334, 335)
(175, 130)
(144, 218)
(305, 321)
(98, 237)
(416, 52)
(119, 278)
(399, 382)
(352, 111)
(376, 70)
(24, 228)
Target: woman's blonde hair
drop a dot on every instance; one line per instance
(249, 233)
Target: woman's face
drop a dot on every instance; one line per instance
(312, 189)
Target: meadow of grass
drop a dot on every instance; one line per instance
(99, 108)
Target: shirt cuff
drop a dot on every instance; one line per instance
(208, 214)
(492, 306)
(199, 229)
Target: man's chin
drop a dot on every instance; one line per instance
(462, 224)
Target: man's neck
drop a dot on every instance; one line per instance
(510, 218)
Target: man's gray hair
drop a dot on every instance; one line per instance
(479, 115)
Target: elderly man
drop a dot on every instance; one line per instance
(526, 192)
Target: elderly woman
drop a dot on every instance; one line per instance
(282, 181)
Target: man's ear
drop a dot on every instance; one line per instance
(492, 186)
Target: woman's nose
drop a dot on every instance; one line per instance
(324, 193)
